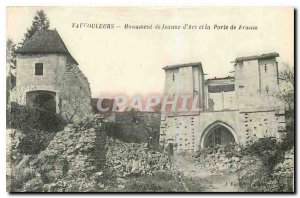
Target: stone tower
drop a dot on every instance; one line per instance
(185, 79)
(256, 77)
(48, 77)
(178, 127)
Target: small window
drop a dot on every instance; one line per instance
(266, 68)
(13, 81)
(38, 69)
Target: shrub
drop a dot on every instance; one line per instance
(27, 118)
(257, 182)
(269, 151)
(265, 179)
(132, 133)
(34, 142)
(38, 126)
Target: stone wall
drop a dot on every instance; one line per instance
(76, 149)
(71, 87)
(75, 95)
(252, 110)
(189, 132)
(54, 66)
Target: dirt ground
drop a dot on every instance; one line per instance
(199, 179)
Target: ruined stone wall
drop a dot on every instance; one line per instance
(75, 95)
(75, 150)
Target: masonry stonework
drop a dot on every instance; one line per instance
(235, 109)
(61, 88)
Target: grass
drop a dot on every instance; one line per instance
(158, 182)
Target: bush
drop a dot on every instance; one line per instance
(34, 142)
(271, 153)
(257, 182)
(38, 126)
(131, 133)
(27, 118)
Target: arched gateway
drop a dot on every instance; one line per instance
(41, 99)
(218, 133)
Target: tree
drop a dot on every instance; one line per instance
(40, 22)
(288, 97)
(10, 52)
(10, 64)
(288, 85)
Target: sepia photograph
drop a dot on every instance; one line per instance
(150, 99)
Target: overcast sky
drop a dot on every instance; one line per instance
(130, 61)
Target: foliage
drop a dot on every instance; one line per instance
(27, 119)
(40, 22)
(10, 52)
(257, 181)
(270, 152)
(158, 182)
(38, 127)
(11, 63)
(133, 133)
(267, 178)
(136, 127)
(34, 142)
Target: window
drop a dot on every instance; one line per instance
(267, 89)
(13, 81)
(38, 69)
(266, 68)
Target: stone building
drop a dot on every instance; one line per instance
(233, 109)
(48, 77)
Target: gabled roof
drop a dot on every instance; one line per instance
(45, 41)
(263, 56)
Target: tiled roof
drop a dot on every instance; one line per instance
(263, 56)
(45, 41)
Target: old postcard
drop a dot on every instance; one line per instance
(150, 99)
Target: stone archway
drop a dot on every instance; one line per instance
(40, 99)
(218, 133)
